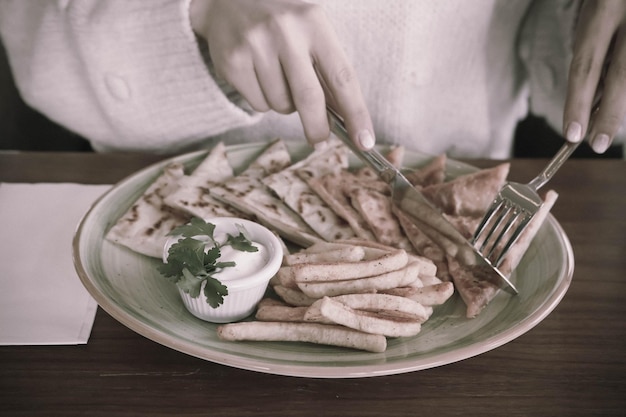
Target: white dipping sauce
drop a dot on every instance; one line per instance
(246, 263)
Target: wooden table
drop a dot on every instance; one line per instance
(571, 364)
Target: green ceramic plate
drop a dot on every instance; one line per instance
(130, 289)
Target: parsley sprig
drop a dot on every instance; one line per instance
(189, 264)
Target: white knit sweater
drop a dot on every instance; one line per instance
(438, 75)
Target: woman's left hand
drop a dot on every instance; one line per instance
(598, 68)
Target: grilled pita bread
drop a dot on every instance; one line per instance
(470, 194)
(466, 225)
(473, 285)
(247, 193)
(375, 209)
(424, 245)
(144, 226)
(432, 173)
(462, 202)
(368, 178)
(332, 189)
(295, 192)
(193, 194)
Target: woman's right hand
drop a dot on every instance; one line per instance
(283, 55)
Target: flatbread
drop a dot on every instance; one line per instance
(144, 226)
(432, 173)
(424, 245)
(376, 210)
(474, 286)
(368, 178)
(295, 192)
(331, 188)
(193, 194)
(247, 193)
(466, 225)
(463, 202)
(470, 282)
(470, 194)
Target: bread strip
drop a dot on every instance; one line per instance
(367, 322)
(350, 270)
(280, 313)
(399, 278)
(430, 295)
(293, 297)
(391, 304)
(323, 334)
(345, 254)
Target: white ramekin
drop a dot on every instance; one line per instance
(243, 293)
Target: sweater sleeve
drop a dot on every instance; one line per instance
(546, 49)
(126, 74)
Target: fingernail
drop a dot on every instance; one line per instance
(574, 132)
(365, 138)
(600, 143)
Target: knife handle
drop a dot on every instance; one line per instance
(385, 170)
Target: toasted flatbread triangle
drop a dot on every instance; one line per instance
(368, 177)
(432, 173)
(376, 210)
(466, 225)
(330, 188)
(247, 193)
(296, 193)
(193, 196)
(477, 292)
(473, 285)
(470, 194)
(144, 226)
(424, 245)
(421, 242)
(274, 158)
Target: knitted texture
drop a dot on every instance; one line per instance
(438, 76)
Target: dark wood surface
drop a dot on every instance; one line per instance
(571, 364)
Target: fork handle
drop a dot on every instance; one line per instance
(373, 158)
(548, 172)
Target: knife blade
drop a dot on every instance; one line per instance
(426, 217)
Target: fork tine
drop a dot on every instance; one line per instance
(512, 215)
(495, 206)
(496, 225)
(527, 217)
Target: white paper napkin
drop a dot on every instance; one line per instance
(42, 301)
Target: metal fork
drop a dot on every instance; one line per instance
(513, 209)
(419, 209)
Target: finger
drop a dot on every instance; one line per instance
(238, 70)
(307, 95)
(343, 91)
(612, 111)
(593, 37)
(273, 83)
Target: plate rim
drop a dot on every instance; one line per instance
(311, 371)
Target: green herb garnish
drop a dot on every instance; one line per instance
(189, 264)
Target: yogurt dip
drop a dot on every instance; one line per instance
(246, 281)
